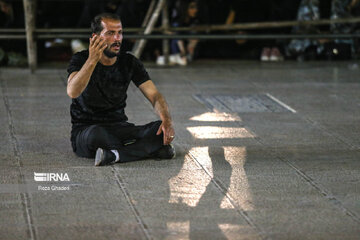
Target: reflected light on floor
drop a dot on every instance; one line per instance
(232, 231)
(239, 187)
(190, 184)
(178, 230)
(216, 117)
(210, 132)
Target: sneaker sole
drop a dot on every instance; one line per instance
(99, 157)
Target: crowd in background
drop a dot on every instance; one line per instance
(185, 13)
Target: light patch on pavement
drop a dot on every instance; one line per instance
(210, 132)
(190, 184)
(239, 186)
(216, 117)
(232, 231)
(178, 230)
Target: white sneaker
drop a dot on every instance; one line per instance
(172, 59)
(160, 61)
(181, 60)
(265, 54)
(177, 59)
(276, 55)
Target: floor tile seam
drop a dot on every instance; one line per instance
(330, 133)
(135, 211)
(25, 198)
(326, 193)
(321, 190)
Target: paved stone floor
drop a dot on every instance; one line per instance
(265, 151)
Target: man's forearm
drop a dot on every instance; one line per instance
(78, 83)
(162, 109)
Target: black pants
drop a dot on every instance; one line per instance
(132, 142)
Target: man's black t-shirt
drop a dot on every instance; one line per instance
(104, 99)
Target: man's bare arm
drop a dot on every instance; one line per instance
(78, 81)
(158, 101)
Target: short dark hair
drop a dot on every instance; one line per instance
(96, 26)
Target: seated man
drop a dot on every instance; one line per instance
(97, 83)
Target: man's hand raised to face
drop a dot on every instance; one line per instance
(96, 48)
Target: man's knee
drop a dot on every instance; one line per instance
(154, 124)
(157, 124)
(152, 127)
(96, 135)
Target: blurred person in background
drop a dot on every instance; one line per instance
(230, 12)
(183, 14)
(276, 11)
(12, 52)
(50, 14)
(310, 49)
(6, 14)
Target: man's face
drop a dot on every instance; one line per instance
(112, 33)
(192, 10)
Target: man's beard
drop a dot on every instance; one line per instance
(111, 54)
